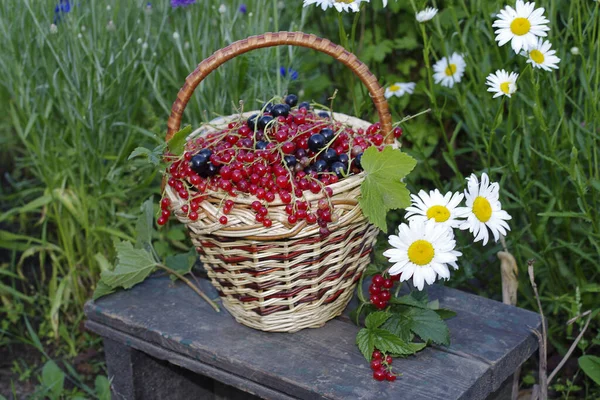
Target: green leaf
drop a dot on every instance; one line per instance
(408, 300)
(144, 225)
(591, 366)
(428, 325)
(445, 313)
(399, 326)
(374, 320)
(364, 340)
(152, 157)
(133, 266)
(102, 386)
(103, 263)
(420, 295)
(382, 189)
(102, 289)
(182, 262)
(53, 379)
(177, 142)
(389, 343)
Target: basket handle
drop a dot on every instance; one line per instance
(279, 39)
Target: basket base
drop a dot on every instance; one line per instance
(304, 316)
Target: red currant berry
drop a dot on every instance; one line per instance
(267, 223)
(376, 365)
(375, 298)
(165, 203)
(390, 376)
(379, 375)
(377, 139)
(387, 283)
(385, 295)
(223, 220)
(376, 355)
(259, 218)
(292, 219)
(229, 204)
(374, 289)
(256, 205)
(381, 305)
(397, 132)
(311, 218)
(377, 280)
(193, 215)
(388, 360)
(185, 208)
(395, 278)
(161, 220)
(263, 211)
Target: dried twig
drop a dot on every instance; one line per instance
(571, 349)
(542, 339)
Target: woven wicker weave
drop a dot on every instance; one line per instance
(286, 277)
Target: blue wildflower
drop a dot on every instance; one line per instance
(181, 3)
(243, 8)
(63, 7)
(289, 71)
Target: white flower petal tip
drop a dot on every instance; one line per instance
(399, 89)
(426, 14)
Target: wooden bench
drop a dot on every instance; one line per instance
(163, 342)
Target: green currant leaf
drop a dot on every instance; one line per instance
(445, 313)
(382, 189)
(133, 266)
(176, 144)
(364, 340)
(153, 156)
(591, 366)
(389, 343)
(182, 262)
(399, 326)
(53, 379)
(374, 320)
(428, 325)
(408, 300)
(102, 289)
(420, 295)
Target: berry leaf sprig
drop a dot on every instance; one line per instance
(382, 190)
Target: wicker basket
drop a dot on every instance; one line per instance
(286, 277)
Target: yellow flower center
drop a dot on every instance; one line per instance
(505, 87)
(450, 69)
(439, 213)
(421, 252)
(536, 56)
(482, 209)
(520, 26)
(345, 1)
(394, 88)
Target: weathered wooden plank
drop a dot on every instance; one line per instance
(307, 364)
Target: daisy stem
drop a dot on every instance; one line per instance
(344, 43)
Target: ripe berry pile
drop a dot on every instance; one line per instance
(380, 290)
(285, 151)
(381, 365)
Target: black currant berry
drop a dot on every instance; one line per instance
(343, 158)
(267, 108)
(339, 169)
(263, 121)
(211, 169)
(260, 145)
(327, 134)
(329, 156)
(198, 163)
(300, 153)
(290, 161)
(323, 114)
(291, 100)
(280, 110)
(357, 161)
(252, 121)
(320, 165)
(304, 104)
(316, 142)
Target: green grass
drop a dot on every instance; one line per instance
(75, 107)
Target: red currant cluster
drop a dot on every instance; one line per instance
(380, 290)
(284, 151)
(381, 365)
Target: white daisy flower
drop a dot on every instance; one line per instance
(399, 89)
(501, 83)
(540, 56)
(443, 210)
(340, 5)
(447, 71)
(422, 251)
(483, 209)
(426, 15)
(521, 25)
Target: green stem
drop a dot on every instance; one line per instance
(277, 49)
(191, 285)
